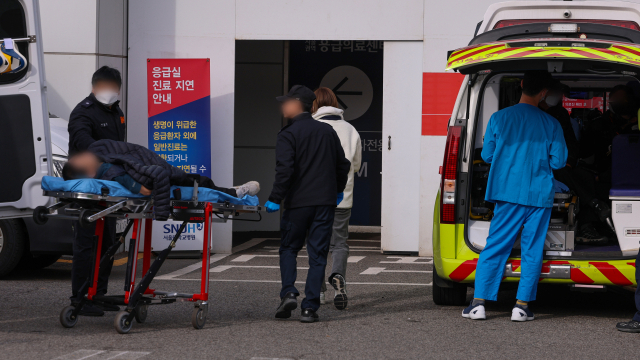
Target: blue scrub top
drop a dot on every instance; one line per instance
(523, 144)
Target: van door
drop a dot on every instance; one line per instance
(24, 125)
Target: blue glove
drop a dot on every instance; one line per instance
(340, 197)
(271, 207)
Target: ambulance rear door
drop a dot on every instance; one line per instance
(25, 148)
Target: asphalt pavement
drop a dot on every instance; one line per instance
(391, 315)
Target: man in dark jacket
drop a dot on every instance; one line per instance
(311, 174)
(96, 117)
(579, 180)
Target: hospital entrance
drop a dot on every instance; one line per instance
(268, 68)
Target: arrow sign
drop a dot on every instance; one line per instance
(353, 89)
(336, 90)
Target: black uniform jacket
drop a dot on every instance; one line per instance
(91, 121)
(311, 168)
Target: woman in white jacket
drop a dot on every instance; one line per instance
(325, 109)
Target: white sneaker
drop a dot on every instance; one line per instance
(323, 300)
(474, 312)
(520, 314)
(251, 188)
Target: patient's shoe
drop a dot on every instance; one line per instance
(251, 188)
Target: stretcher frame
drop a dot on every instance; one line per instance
(89, 208)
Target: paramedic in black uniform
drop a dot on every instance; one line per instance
(96, 117)
(311, 174)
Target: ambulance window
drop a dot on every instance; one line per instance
(13, 24)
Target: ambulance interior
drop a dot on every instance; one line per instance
(585, 98)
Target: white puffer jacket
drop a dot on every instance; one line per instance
(350, 140)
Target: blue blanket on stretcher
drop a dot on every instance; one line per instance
(95, 186)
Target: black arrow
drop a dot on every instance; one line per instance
(337, 92)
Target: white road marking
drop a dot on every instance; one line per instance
(302, 282)
(350, 247)
(191, 268)
(372, 271)
(212, 259)
(221, 268)
(245, 258)
(378, 270)
(102, 354)
(407, 260)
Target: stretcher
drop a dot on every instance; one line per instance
(93, 207)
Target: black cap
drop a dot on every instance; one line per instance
(300, 93)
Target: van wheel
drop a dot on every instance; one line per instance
(13, 239)
(455, 295)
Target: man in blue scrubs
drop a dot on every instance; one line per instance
(524, 145)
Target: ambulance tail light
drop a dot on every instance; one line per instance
(449, 176)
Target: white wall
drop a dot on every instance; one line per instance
(78, 37)
(188, 29)
(329, 19)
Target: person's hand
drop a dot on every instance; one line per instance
(144, 191)
(340, 197)
(271, 207)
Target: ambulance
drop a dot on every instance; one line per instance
(590, 47)
(32, 144)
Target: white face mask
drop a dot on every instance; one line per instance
(107, 97)
(552, 100)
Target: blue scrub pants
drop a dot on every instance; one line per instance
(507, 220)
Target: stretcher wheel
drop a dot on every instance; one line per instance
(82, 219)
(39, 215)
(571, 214)
(65, 317)
(141, 313)
(198, 318)
(121, 324)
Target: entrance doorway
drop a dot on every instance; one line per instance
(268, 68)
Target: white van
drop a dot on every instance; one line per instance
(590, 47)
(25, 145)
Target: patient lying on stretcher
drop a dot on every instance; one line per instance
(86, 164)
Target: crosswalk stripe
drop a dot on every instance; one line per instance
(102, 355)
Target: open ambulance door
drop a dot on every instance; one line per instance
(25, 146)
(597, 57)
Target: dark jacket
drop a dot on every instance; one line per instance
(91, 121)
(573, 146)
(311, 168)
(599, 134)
(145, 167)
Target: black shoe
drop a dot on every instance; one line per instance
(90, 310)
(289, 302)
(108, 307)
(631, 326)
(588, 235)
(308, 316)
(340, 285)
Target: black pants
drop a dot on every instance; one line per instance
(82, 250)
(205, 182)
(583, 183)
(317, 221)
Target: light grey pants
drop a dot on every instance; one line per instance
(339, 248)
